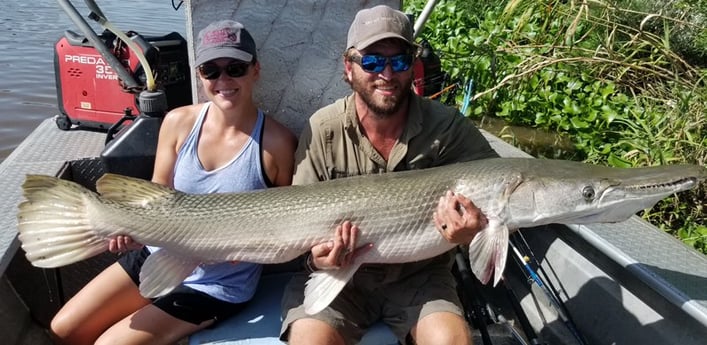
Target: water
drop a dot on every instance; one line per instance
(28, 31)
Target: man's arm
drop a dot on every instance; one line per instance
(465, 143)
(310, 164)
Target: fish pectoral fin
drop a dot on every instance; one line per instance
(162, 272)
(489, 248)
(323, 286)
(131, 190)
(488, 252)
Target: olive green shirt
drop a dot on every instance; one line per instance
(333, 146)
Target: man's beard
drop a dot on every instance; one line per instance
(385, 107)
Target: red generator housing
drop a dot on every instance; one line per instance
(89, 92)
(427, 70)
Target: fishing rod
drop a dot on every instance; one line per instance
(517, 336)
(472, 301)
(549, 292)
(520, 314)
(542, 271)
(478, 310)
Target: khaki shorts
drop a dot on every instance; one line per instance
(398, 295)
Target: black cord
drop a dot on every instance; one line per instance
(178, 5)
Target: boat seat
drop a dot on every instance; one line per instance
(259, 323)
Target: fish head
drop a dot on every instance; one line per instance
(582, 193)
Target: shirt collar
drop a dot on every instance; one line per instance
(413, 126)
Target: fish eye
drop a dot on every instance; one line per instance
(588, 193)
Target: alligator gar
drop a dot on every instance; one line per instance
(61, 222)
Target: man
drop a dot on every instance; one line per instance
(383, 126)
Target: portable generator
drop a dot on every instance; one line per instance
(429, 77)
(90, 92)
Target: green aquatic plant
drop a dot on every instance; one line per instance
(624, 80)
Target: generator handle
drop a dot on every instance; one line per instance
(91, 35)
(93, 6)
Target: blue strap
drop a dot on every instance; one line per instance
(468, 90)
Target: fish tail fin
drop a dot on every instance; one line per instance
(488, 252)
(53, 223)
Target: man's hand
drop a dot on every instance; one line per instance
(458, 219)
(339, 252)
(122, 243)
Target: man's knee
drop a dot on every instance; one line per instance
(442, 328)
(313, 331)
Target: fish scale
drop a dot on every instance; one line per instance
(393, 211)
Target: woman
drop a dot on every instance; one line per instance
(224, 145)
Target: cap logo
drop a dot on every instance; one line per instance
(375, 20)
(218, 37)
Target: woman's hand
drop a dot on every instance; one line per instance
(458, 219)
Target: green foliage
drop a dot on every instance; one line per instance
(624, 79)
(695, 235)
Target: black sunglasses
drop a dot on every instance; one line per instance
(234, 70)
(372, 63)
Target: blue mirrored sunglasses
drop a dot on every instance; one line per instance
(376, 63)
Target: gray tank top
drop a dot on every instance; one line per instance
(225, 281)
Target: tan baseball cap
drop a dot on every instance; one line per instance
(374, 24)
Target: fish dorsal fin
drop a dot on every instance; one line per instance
(162, 272)
(131, 190)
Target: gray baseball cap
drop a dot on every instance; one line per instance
(376, 23)
(224, 39)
